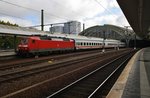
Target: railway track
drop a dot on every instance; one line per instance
(21, 72)
(18, 59)
(64, 77)
(21, 62)
(88, 85)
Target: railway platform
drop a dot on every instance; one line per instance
(134, 81)
(4, 53)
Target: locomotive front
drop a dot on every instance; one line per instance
(23, 47)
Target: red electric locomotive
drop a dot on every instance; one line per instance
(39, 44)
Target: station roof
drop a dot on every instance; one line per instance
(111, 31)
(12, 30)
(95, 32)
(22, 31)
(138, 15)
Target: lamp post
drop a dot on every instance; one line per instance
(103, 50)
(51, 29)
(42, 19)
(127, 36)
(134, 40)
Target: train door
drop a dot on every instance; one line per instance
(35, 45)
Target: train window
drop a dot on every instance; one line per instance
(44, 38)
(66, 39)
(33, 41)
(24, 41)
(78, 43)
(81, 44)
(49, 38)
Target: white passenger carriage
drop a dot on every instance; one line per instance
(83, 42)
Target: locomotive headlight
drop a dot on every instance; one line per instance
(25, 48)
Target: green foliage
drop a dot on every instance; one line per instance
(7, 42)
(8, 23)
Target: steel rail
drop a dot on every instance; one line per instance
(66, 87)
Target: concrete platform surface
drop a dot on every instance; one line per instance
(7, 53)
(134, 81)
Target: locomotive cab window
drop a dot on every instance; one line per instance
(24, 41)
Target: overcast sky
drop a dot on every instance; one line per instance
(90, 12)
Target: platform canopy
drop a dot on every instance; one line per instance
(12, 30)
(138, 15)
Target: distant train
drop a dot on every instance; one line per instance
(40, 44)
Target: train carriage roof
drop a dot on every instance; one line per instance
(76, 37)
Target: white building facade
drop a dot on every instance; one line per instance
(72, 27)
(57, 29)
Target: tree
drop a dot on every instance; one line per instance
(8, 23)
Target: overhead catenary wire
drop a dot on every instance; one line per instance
(12, 16)
(104, 8)
(19, 6)
(50, 14)
(27, 8)
(75, 13)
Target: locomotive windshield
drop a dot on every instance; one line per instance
(24, 41)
